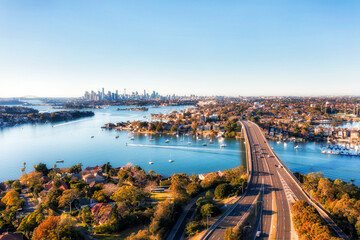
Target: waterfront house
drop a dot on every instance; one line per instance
(93, 177)
(102, 212)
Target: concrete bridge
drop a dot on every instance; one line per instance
(279, 188)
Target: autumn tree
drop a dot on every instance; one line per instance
(11, 198)
(162, 219)
(232, 234)
(56, 227)
(31, 179)
(68, 197)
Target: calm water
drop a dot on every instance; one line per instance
(308, 158)
(72, 142)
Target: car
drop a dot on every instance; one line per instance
(280, 166)
(268, 155)
(258, 234)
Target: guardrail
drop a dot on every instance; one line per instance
(249, 170)
(313, 201)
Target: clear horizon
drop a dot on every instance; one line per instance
(207, 48)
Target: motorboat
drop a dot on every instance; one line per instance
(167, 141)
(116, 137)
(151, 163)
(223, 145)
(92, 137)
(204, 144)
(60, 161)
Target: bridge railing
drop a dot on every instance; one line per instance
(249, 167)
(312, 200)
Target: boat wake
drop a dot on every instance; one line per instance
(184, 148)
(67, 123)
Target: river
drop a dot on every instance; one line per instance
(72, 142)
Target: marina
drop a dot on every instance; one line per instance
(348, 149)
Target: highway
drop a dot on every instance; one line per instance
(281, 189)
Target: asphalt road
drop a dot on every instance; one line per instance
(269, 170)
(286, 187)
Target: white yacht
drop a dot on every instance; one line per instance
(151, 163)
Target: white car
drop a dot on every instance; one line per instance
(258, 234)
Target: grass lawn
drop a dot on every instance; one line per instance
(122, 235)
(161, 196)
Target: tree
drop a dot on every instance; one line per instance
(55, 227)
(75, 168)
(47, 229)
(23, 168)
(232, 234)
(130, 195)
(178, 188)
(16, 185)
(41, 168)
(223, 190)
(31, 178)
(231, 127)
(85, 215)
(140, 235)
(193, 228)
(107, 167)
(193, 188)
(30, 222)
(68, 197)
(162, 219)
(11, 198)
(209, 195)
(100, 196)
(53, 197)
(207, 209)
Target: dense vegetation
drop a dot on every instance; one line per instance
(308, 223)
(231, 183)
(123, 200)
(341, 199)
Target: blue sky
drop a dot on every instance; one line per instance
(64, 47)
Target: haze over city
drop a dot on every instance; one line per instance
(61, 49)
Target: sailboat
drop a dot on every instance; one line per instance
(170, 160)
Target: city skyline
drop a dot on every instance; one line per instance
(302, 48)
